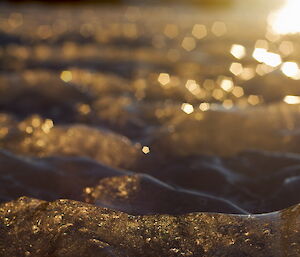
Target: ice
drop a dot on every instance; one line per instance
(37, 228)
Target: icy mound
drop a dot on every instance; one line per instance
(67, 228)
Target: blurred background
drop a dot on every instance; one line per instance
(222, 52)
(179, 79)
(150, 56)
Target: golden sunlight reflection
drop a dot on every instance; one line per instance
(259, 53)
(199, 31)
(187, 108)
(66, 76)
(272, 59)
(218, 94)
(263, 69)
(286, 20)
(253, 99)
(238, 51)
(236, 68)
(269, 58)
(193, 87)
(291, 70)
(227, 84)
(171, 30)
(219, 28)
(164, 78)
(84, 109)
(227, 104)
(261, 43)
(204, 107)
(247, 73)
(188, 43)
(238, 92)
(146, 149)
(286, 47)
(291, 99)
(47, 126)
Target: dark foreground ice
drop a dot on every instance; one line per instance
(66, 228)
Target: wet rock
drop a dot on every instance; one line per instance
(142, 194)
(36, 228)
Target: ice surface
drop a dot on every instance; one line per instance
(67, 228)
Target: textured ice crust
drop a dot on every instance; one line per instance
(67, 228)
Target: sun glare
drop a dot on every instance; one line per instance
(286, 20)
